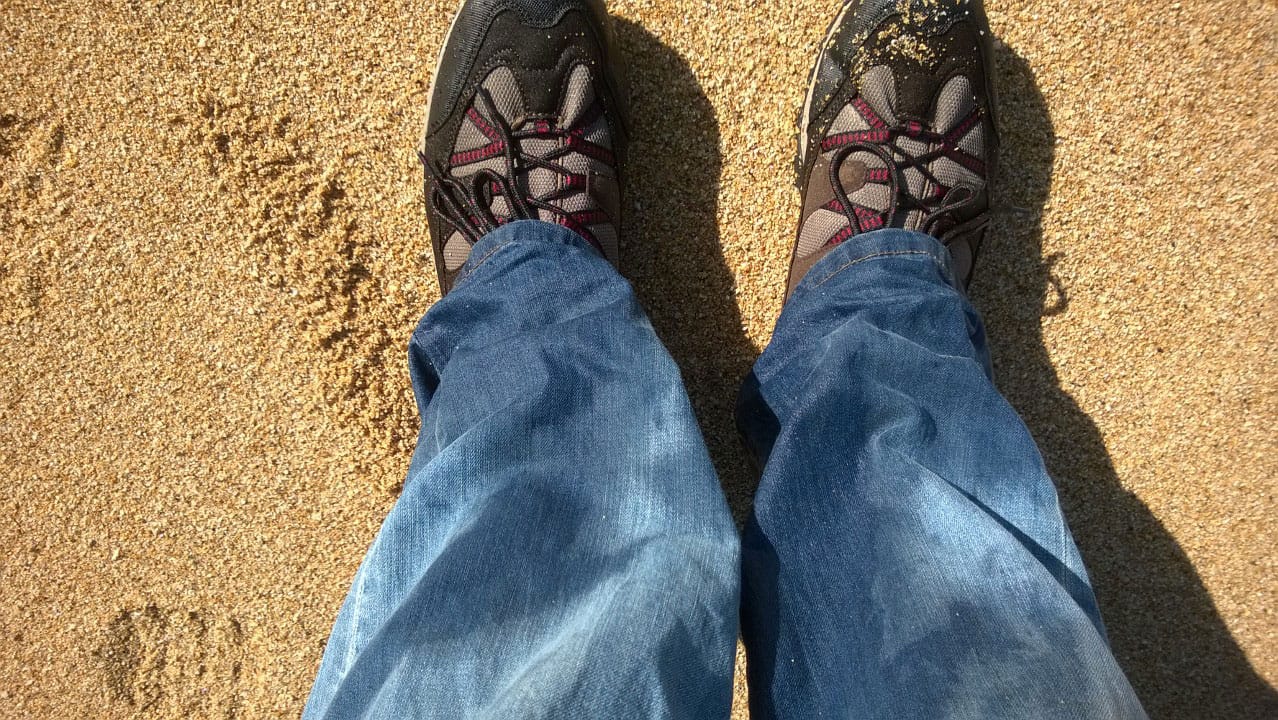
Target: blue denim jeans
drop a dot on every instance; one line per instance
(562, 548)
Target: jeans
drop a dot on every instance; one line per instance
(562, 548)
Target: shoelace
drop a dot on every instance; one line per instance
(881, 142)
(466, 203)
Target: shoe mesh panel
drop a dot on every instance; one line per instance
(848, 120)
(496, 164)
(456, 250)
(599, 134)
(873, 195)
(951, 173)
(878, 87)
(469, 137)
(504, 89)
(974, 142)
(953, 104)
(577, 97)
(820, 226)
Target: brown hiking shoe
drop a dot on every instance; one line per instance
(527, 121)
(898, 129)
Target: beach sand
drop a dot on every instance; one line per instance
(212, 252)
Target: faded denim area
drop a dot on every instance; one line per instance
(907, 557)
(562, 548)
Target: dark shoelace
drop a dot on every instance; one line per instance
(466, 203)
(882, 143)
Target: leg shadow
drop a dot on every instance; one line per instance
(1165, 630)
(670, 247)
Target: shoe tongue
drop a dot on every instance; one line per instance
(541, 181)
(456, 250)
(916, 92)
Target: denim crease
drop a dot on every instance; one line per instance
(562, 548)
(906, 556)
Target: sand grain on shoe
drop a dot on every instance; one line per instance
(898, 129)
(526, 121)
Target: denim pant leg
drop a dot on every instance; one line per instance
(907, 557)
(561, 548)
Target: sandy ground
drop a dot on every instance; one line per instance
(212, 253)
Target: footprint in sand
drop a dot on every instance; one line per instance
(31, 151)
(174, 664)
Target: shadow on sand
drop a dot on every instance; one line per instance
(1162, 623)
(671, 248)
(1164, 627)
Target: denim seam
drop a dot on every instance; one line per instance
(872, 256)
(471, 270)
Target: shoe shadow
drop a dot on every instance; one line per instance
(1163, 625)
(670, 244)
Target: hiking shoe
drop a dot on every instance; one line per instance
(898, 129)
(526, 121)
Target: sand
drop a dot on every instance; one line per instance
(212, 253)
